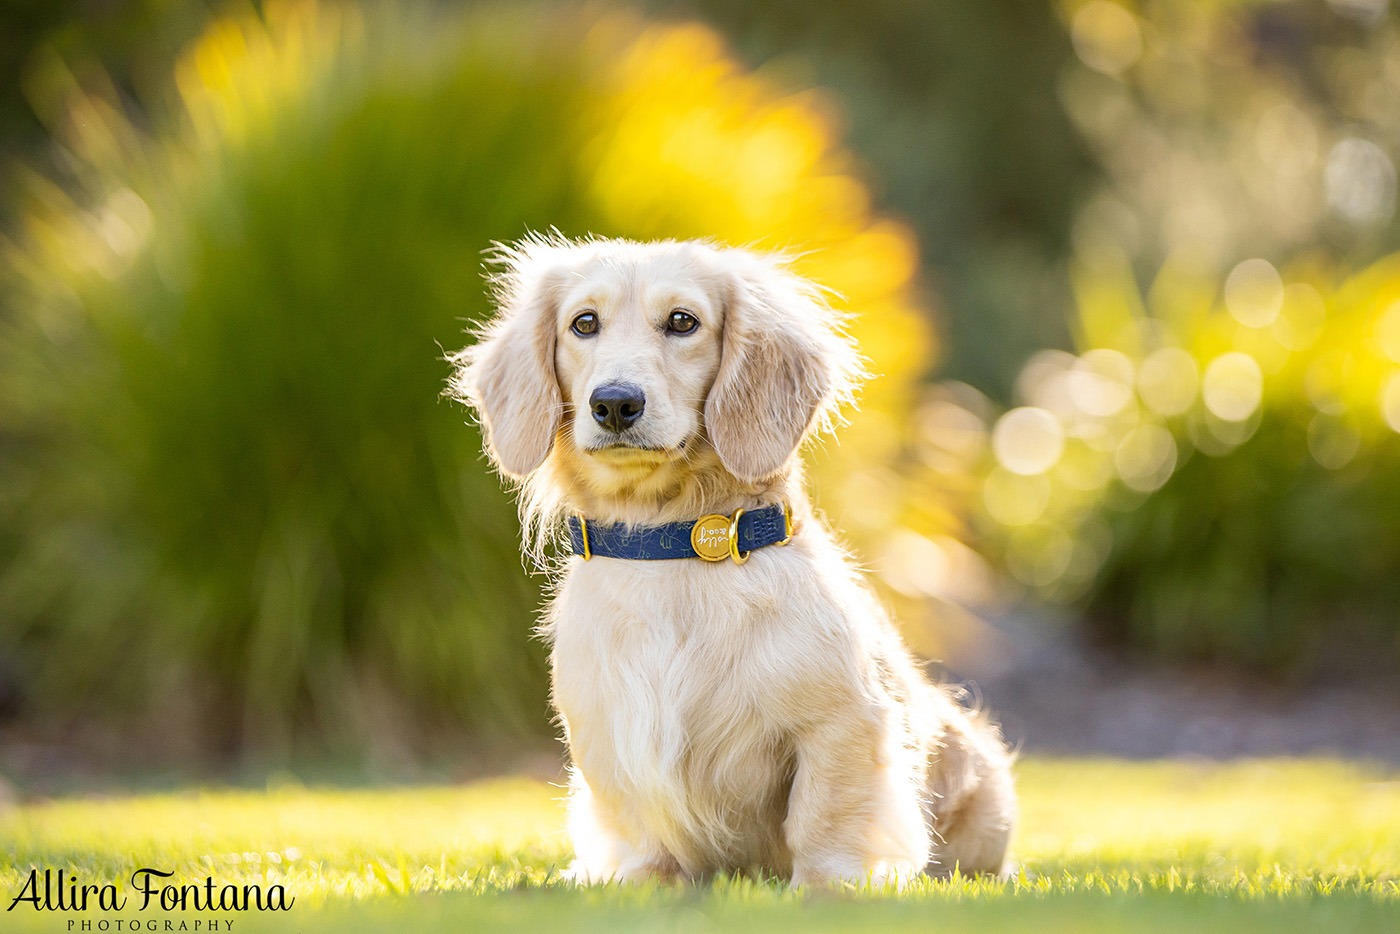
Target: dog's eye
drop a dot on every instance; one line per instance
(585, 325)
(682, 322)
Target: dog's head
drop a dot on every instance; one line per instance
(639, 355)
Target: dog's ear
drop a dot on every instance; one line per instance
(784, 366)
(508, 375)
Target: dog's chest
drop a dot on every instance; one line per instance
(659, 676)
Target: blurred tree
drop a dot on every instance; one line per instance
(232, 513)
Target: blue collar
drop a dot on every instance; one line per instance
(712, 538)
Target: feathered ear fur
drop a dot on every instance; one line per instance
(508, 375)
(785, 365)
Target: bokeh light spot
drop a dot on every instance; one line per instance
(1168, 381)
(1254, 293)
(1106, 37)
(1028, 440)
(1360, 181)
(1044, 381)
(1233, 386)
(1332, 442)
(1146, 458)
(950, 437)
(1102, 382)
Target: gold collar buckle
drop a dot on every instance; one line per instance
(716, 537)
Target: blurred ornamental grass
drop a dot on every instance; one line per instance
(235, 516)
(1216, 475)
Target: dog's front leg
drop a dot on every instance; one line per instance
(601, 852)
(854, 813)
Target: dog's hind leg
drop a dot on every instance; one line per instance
(972, 800)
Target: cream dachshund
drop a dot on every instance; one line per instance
(734, 697)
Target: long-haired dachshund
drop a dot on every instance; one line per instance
(734, 697)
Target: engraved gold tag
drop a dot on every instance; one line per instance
(710, 537)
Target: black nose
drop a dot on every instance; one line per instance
(617, 406)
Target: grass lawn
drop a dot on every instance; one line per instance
(1275, 846)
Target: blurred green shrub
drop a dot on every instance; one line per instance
(234, 516)
(1217, 474)
(1212, 474)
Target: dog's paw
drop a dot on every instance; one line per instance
(883, 874)
(642, 869)
(631, 872)
(580, 873)
(895, 875)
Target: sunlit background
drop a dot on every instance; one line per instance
(1124, 271)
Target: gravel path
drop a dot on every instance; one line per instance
(1052, 694)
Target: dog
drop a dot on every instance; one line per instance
(738, 702)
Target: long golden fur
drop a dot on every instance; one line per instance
(763, 718)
